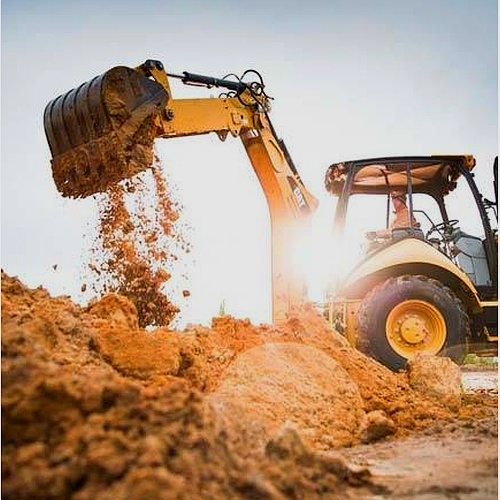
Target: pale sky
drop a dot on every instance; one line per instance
(350, 79)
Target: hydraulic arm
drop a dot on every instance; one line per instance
(103, 132)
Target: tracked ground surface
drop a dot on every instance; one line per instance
(94, 406)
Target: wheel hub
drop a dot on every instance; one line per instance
(413, 329)
(415, 326)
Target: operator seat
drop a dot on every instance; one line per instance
(407, 232)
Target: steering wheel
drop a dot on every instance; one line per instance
(442, 228)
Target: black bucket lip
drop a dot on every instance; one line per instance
(82, 114)
(55, 125)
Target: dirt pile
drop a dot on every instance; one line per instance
(74, 426)
(208, 352)
(94, 406)
(276, 383)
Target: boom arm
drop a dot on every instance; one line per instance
(290, 203)
(242, 112)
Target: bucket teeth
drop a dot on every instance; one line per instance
(103, 131)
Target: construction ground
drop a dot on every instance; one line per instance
(96, 407)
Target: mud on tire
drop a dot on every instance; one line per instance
(393, 293)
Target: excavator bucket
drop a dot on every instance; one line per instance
(103, 131)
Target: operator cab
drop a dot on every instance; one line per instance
(427, 185)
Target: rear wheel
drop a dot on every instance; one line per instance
(408, 315)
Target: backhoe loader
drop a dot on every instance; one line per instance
(428, 285)
(103, 132)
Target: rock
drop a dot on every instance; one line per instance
(138, 353)
(117, 309)
(292, 462)
(286, 443)
(437, 378)
(376, 425)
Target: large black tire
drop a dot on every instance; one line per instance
(410, 314)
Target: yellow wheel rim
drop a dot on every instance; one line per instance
(415, 326)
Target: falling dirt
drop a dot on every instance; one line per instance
(94, 406)
(138, 240)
